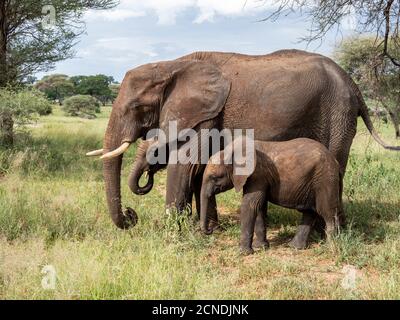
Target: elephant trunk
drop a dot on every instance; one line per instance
(204, 199)
(139, 167)
(134, 178)
(112, 179)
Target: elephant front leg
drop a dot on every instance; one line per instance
(261, 230)
(179, 194)
(213, 214)
(250, 209)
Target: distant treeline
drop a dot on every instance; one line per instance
(58, 87)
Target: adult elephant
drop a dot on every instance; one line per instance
(283, 95)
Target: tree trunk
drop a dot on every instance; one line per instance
(6, 119)
(3, 45)
(394, 116)
(6, 129)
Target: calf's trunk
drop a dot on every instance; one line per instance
(204, 199)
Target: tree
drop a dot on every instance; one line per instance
(19, 107)
(56, 87)
(84, 106)
(28, 46)
(97, 86)
(380, 17)
(358, 56)
(114, 87)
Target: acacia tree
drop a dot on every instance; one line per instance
(380, 17)
(358, 57)
(57, 87)
(27, 46)
(97, 86)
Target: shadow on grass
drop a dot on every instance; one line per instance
(370, 220)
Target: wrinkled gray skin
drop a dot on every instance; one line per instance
(282, 96)
(144, 152)
(298, 174)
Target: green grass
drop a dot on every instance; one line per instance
(53, 212)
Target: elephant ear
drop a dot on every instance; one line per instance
(243, 161)
(196, 92)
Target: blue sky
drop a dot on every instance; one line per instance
(138, 32)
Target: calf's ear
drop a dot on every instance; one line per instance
(244, 161)
(239, 182)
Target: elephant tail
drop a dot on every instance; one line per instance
(363, 112)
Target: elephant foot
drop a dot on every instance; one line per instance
(297, 243)
(130, 218)
(261, 244)
(215, 227)
(319, 227)
(246, 251)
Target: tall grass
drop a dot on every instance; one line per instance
(53, 212)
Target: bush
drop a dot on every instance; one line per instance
(19, 107)
(37, 101)
(81, 106)
(24, 104)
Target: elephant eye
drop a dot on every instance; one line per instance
(134, 104)
(145, 108)
(129, 107)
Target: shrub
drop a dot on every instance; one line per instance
(81, 106)
(19, 107)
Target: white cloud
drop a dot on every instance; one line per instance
(209, 8)
(126, 50)
(168, 10)
(114, 15)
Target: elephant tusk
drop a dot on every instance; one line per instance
(146, 174)
(116, 152)
(95, 153)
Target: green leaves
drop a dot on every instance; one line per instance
(26, 47)
(20, 108)
(376, 75)
(97, 86)
(58, 87)
(82, 106)
(23, 105)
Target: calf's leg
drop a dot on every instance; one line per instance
(252, 204)
(308, 220)
(261, 230)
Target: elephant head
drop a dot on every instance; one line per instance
(186, 91)
(223, 173)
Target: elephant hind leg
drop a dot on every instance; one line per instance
(328, 207)
(339, 146)
(308, 220)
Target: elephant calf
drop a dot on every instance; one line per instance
(298, 174)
